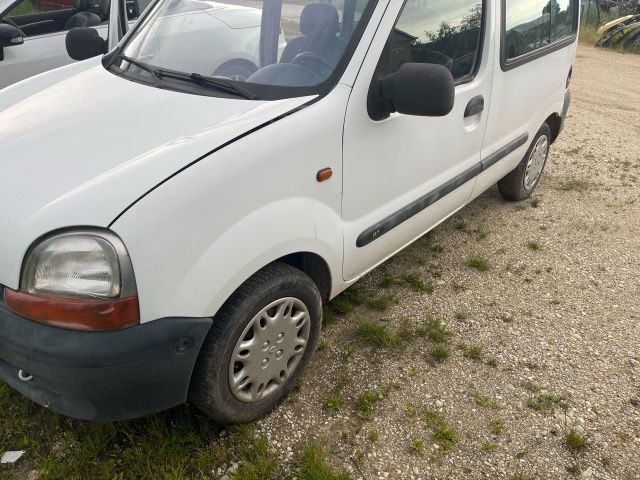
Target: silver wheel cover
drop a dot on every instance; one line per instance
(536, 162)
(269, 350)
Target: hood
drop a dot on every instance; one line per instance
(80, 148)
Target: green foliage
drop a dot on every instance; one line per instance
(417, 446)
(416, 283)
(479, 263)
(312, 464)
(575, 441)
(440, 353)
(375, 333)
(366, 400)
(543, 402)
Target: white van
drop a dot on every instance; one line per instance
(169, 235)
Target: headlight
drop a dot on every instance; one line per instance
(78, 279)
(76, 265)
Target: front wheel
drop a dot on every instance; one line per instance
(521, 182)
(258, 345)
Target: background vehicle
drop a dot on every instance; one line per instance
(43, 25)
(189, 256)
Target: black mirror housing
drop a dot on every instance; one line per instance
(10, 36)
(421, 89)
(84, 42)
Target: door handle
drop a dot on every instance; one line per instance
(475, 106)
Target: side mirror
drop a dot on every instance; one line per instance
(421, 89)
(84, 42)
(10, 36)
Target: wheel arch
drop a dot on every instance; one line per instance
(315, 267)
(555, 125)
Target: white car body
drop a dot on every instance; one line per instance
(205, 191)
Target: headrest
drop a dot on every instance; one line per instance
(319, 18)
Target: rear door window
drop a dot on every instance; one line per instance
(532, 25)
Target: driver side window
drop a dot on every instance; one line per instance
(445, 32)
(41, 17)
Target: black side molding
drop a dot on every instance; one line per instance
(504, 151)
(392, 221)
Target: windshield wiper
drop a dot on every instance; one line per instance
(155, 73)
(219, 83)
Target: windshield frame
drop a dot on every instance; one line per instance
(261, 91)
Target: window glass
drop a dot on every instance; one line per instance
(534, 24)
(256, 44)
(562, 20)
(446, 32)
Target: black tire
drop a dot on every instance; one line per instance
(210, 390)
(512, 187)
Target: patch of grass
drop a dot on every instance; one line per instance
(461, 315)
(328, 316)
(445, 437)
(180, 443)
(414, 281)
(461, 224)
(442, 434)
(350, 351)
(534, 245)
(492, 362)
(530, 386)
(434, 330)
(481, 233)
(473, 352)
(485, 401)
(575, 186)
(366, 400)
(322, 345)
(437, 248)
(332, 402)
(534, 202)
(374, 435)
(375, 333)
(414, 372)
(543, 402)
(387, 281)
(479, 263)
(489, 447)
(497, 426)
(417, 446)
(312, 464)
(573, 151)
(432, 417)
(381, 303)
(575, 441)
(410, 410)
(574, 468)
(440, 353)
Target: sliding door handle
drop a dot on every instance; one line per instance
(475, 106)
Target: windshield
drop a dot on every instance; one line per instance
(248, 48)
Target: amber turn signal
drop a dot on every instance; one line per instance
(75, 313)
(324, 174)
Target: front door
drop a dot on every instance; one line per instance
(405, 174)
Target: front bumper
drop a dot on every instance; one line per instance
(110, 375)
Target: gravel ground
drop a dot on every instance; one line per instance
(555, 318)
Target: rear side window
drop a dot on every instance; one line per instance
(446, 32)
(532, 25)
